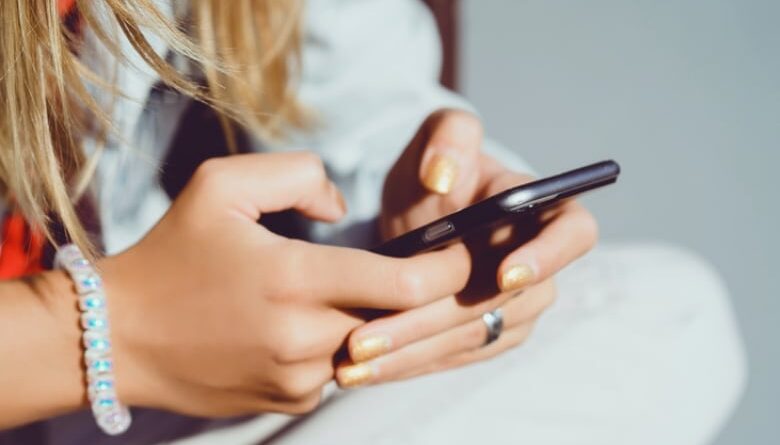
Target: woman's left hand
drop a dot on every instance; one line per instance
(441, 171)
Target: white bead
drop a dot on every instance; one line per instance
(93, 355)
(92, 301)
(96, 341)
(114, 422)
(88, 282)
(94, 320)
(66, 254)
(103, 402)
(100, 383)
(98, 364)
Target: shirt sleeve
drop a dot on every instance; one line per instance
(370, 74)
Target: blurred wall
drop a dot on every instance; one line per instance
(686, 95)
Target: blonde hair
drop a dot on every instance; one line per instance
(248, 51)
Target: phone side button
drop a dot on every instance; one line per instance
(437, 231)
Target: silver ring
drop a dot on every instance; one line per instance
(494, 322)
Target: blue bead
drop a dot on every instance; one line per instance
(98, 344)
(103, 385)
(101, 365)
(90, 282)
(96, 323)
(94, 302)
(107, 403)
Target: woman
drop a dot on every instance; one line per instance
(213, 315)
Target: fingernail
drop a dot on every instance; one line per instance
(516, 277)
(353, 376)
(441, 174)
(369, 347)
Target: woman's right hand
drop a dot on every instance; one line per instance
(213, 315)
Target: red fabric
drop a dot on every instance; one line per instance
(65, 6)
(68, 11)
(21, 250)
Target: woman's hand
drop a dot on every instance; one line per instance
(442, 171)
(214, 315)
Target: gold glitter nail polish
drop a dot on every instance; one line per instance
(355, 375)
(441, 174)
(369, 347)
(516, 277)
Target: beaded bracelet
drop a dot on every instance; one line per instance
(111, 416)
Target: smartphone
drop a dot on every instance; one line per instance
(524, 201)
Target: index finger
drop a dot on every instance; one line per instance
(352, 278)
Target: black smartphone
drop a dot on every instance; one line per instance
(510, 205)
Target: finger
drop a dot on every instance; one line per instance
(464, 341)
(433, 349)
(394, 332)
(448, 165)
(256, 183)
(352, 278)
(570, 233)
(509, 339)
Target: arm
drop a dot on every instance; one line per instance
(40, 356)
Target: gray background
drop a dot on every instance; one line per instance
(686, 95)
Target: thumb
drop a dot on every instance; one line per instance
(449, 163)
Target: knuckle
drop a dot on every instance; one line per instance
(311, 163)
(468, 125)
(300, 384)
(211, 173)
(474, 123)
(474, 334)
(589, 228)
(293, 388)
(408, 289)
(292, 344)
